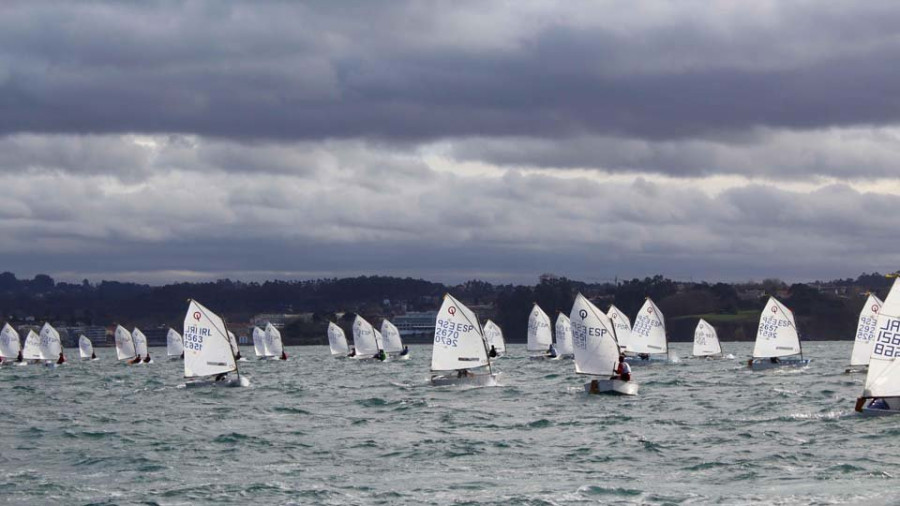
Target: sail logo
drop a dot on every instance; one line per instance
(875, 308)
(582, 313)
(774, 309)
(451, 310)
(197, 315)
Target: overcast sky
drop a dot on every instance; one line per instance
(163, 141)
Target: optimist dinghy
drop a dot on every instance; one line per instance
(174, 345)
(86, 348)
(706, 341)
(564, 336)
(622, 327)
(365, 341)
(140, 346)
(10, 345)
(865, 335)
(493, 336)
(208, 356)
(259, 343)
(648, 340)
(596, 349)
(459, 355)
(31, 350)
(51, 346)
(777, 339)
(540, 338)
(234, 347)
(881, 395)
(274, 348)
(124, 345)
(337, 341)
(391, 342)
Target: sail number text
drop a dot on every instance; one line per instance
(447, 332)
(193, 337)
(887, 344)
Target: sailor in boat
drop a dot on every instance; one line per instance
(135, 360)
(644, 356)
(551, 352)
(238, 356)
(493, 352)
(93, 356)
(19, 357)
(221, 377)
(182, 355)
(352, 352)
(61, 359)
(381, 355)
(147, 358)
(405, 351)
(623, 370)
(283, 355)
(774, 360)
(463, 373)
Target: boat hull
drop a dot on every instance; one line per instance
(227, 383)
(856, 369)
(611, 387)
(762, 364)
(651, 359)
(482, 380)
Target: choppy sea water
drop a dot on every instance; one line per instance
(318, 430)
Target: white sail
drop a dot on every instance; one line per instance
(392, 342)
(174, 343)
(274, 347)
(259, 342)
(706, 341)
(85, 347)
(337, 341)
(364, 337)
(539, 335)
(51, 346)
(593, 339)
(883, 378)
(32, 347)
(777, 334)
(232, 340)
(648, 335)
(207, 351)
(865, 332)
(140, 342)
(9, 342)
(458, 340)
(124, 344)
(564, 335)
(622, 325)
(493, 336)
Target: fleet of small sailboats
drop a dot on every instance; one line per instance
(462, 349)
(777, 339)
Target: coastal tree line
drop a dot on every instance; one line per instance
(824, 310)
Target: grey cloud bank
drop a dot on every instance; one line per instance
(163, 139)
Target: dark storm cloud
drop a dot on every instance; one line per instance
(414, 71)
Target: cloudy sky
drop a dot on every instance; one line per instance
(181, 140)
